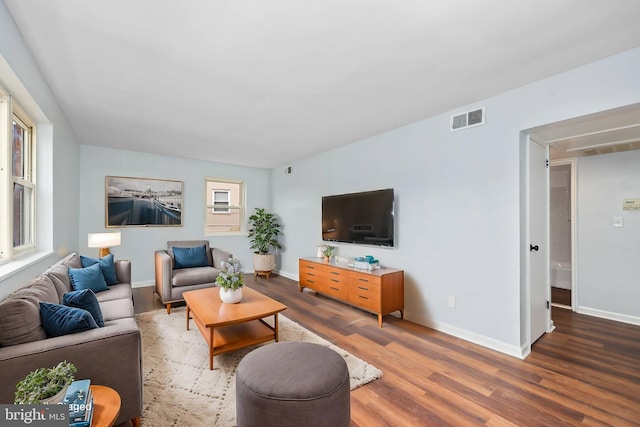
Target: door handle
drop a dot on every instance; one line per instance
(533, 248)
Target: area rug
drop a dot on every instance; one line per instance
(179, 388)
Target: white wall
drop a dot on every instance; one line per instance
(139, 243)
(57, 158)
(458, 200)
(608, 258)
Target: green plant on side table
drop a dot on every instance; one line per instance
(44, 383)
(263, 236)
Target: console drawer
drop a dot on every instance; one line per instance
(336, 288)
(365, 295)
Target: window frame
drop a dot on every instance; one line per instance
(210, 208)
(11, 112)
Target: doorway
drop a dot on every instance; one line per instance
(561, 235)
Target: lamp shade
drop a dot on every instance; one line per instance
(104, 240)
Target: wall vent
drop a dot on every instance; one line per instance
(467, 120)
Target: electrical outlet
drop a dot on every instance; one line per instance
(452, 302)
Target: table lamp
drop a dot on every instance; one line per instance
(104, 241)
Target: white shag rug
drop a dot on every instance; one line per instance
(179, 388)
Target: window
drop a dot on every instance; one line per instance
(221, 201)
(224, 201)
(17, 189)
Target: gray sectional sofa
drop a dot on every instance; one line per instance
(109, 355)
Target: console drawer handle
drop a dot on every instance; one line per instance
(363, 280)
(335, 272)
(334, 280)
(335, 289)
(364, 289)
(363, 297)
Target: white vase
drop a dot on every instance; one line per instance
(59, 397)
(230, 296)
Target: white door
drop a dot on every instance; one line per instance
(539, 288)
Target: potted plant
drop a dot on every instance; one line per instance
(230, 280)
(328, 251)
(45, 385)
(263, 236)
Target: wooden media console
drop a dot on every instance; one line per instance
(379, 291)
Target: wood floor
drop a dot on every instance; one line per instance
(587, 372)
(561, 296)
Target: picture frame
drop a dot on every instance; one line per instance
(143, 202)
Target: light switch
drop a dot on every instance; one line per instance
(618, 221)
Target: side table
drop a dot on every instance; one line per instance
(106, 406)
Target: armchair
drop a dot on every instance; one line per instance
(172, 282)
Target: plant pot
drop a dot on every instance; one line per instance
(57, 398)
(231, 296)
(264, 263)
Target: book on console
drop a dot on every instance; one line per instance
(80, 401)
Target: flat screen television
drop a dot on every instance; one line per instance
(363, 218)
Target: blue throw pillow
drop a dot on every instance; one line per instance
(88, 278)
(190, 257)
(108, 267)
(58, 320)
(86, 300)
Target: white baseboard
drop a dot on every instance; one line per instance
(625, 318)
(511, 350)
(293, 277)
(143, 284)
(493, 344)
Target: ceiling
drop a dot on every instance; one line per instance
(264, 83)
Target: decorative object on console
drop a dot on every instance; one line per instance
(366, 262)
(230, 280)
(263, 236)
(43, 384)
(104, 241)
(327, 251)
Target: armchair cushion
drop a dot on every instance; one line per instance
(190, 257)
(194, 276)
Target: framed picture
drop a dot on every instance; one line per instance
(143, 202)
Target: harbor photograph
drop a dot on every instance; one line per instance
(143, 202)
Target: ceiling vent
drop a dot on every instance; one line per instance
(467, 120)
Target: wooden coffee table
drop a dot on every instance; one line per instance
(229, 327)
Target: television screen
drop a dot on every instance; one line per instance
(364, 218)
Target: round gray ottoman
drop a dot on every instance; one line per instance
(293, 384)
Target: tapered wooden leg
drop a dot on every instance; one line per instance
(135, 421)
(211, 347)
(168, 305)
